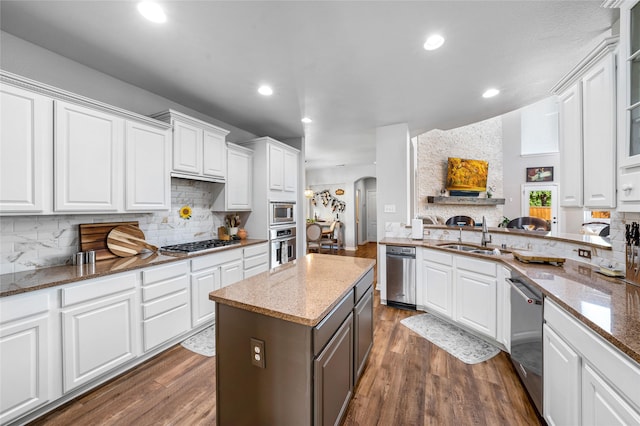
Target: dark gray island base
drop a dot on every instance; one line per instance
(292, 342)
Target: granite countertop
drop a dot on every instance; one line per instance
(303, 292)
(608, 306)
(37, 279)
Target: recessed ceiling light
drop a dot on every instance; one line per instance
(306, 120)
(152, 11)
(265, 90)
(433, 42)
(490, 93)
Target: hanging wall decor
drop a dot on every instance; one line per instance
(329, 200)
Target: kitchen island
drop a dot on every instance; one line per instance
(292, 342)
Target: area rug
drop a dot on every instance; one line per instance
(459, 343)
(203, 343)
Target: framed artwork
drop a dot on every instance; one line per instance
(539, 174)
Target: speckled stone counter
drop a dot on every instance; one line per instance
(37, 279)
(303, 292)
(609, 306)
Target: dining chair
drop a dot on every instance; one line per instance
(337, 239)
(458, 220)
(328, 233)
(314, 237)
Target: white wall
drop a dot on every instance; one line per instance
(346, 177)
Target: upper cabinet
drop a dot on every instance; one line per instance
(276, 169)
(199, 148)
(629, 108)
(587, 130)
(26, 151)
(93, 158)
(237, 193)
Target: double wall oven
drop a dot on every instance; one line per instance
(282, 232)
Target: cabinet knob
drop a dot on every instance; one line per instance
(627, 187)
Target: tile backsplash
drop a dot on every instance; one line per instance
(30, 242)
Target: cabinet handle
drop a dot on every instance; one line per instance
(627, 187)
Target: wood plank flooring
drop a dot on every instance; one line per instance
(407, 381)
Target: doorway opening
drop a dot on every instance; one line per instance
(541, 201)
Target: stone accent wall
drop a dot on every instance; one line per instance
(478, 141)
(30, 242)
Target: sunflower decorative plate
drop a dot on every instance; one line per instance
(185, 212)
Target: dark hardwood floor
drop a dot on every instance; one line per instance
(408, 381)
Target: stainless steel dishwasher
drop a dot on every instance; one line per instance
(401, 277)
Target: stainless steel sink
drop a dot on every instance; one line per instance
(467, 248)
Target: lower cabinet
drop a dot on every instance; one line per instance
(24, 348)
(476, 295)
(561, 377)
(256, 259)
(165, 303)
(362, 332)
(205, 278)
(333, 376)
(586, 380)
(231, 272)
(99, 328)
(437, 277)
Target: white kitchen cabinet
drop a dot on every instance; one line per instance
(198, 147)
(147, 164)
(276, 167)
(88, 157)
(476, 285)
(205, 278)
(629, 111)
(99, 328)
(601, 404)
(570, 128)
(231, 272)
(586, 379)
(255, 259)
(437, 282)
(236, 194)
(166, 310)
(290, 179)
(587, 130)
(561, 381)
(26, 151)
(25, 346)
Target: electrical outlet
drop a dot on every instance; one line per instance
(584, 253)
(257, 353)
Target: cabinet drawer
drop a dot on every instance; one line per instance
(256, 250)
(261, 259)
(617, 367)
(164, 288)
(363, 285)
(476, 265)
(629, 185)
(23, 305)
(161, 273)
(328, 326)
(204, 262)
(438, 257)
(164, 304)
(165, 327)
(255, 270)
(95, 289)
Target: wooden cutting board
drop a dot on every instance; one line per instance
(127, 240)
(534, 257)
(93, 236)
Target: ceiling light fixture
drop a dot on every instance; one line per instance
(306, 120)
(490, 93)
(265, 90)
(152, 11)
(434, 42)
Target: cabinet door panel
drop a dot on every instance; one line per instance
(276, 168)
(476, 302)
(166, 326)
(290, 179)
(214, 155)
(203, 283)
(239, 180)
(601, 405)
(231, 273)
(24, 346)
(148, 171)
(570, 117)
(97, 337)
(438, 288)
(187, 148)
(88, 157)
(561, 381)
(599, 119)
(26, 151)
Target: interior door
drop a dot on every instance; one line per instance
(541, 200)
(372, 221)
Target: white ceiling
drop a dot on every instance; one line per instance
(351, 66)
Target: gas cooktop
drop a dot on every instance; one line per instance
(198, 246)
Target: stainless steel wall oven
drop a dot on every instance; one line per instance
(283, 245)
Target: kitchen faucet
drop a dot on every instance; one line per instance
(460, 224)
(486, 238)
